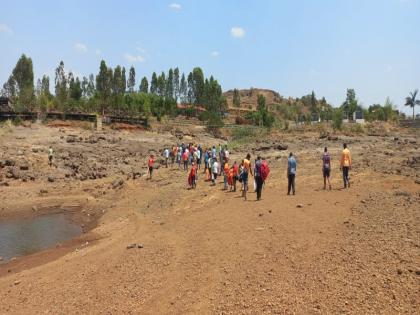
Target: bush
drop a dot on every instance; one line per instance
(337, 119)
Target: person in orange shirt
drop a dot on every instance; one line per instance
(345, 165)
(225, 174)
(247, 169)
(235, 169)
(150, 165)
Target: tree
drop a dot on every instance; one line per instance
(144, 85)
(183, 89)
(23, 75)
(123, 81)
(91, 86)
(10, 88)
(169, 91)
(197, 85)
(161, 84)
(131, 83)
(176, 84)
(117, 81)
(337, 119)
(236, 98)
(61, 88)
(154, 84)
(350, 105)
(75, 89)
(104, 85)
(412, 101)
(314, 102)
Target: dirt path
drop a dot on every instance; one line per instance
(207, 251)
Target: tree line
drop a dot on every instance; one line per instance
(114, 91)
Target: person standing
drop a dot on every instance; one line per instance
(150, 165)
(192, 178)
(345, 165)
(245, 174)
(166, 156)
(326, 168)
(185, 157)
(291, 173)
(215, 171)
(258, 177)
(235, 168)
(50, 156)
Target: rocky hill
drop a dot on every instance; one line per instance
(249, 97)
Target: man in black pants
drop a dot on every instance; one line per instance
(258, 178)
(291, 173)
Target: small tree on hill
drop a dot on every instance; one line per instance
(236, 98)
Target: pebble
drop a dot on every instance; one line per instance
(299, 206)
(17, 282)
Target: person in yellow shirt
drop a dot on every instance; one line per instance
(345, 165)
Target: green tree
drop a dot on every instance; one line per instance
(123, 81)
(190, 89)
(154, 84)
(170, 91)
(197, 85)
(117, 81)
(104, 85)
(350, 105)
(131, 83)
(412, 101)
(161, 84)
(176, 84)
(10, 88)
(183, 94)
(23, 74)
(144, 85)
(61, 86)
(75, 88)
(337, 119)
(314, 103)
(236, 98)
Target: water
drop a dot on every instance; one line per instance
(26, 236)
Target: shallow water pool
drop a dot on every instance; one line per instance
(26, 236)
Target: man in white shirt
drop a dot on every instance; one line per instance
(166, 156)
(215, 171)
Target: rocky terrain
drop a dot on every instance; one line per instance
(155, 247)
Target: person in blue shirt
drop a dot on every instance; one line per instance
(291, 173)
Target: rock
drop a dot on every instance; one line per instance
(17, 282)
(9, 162)
(119, 182)
(134, 245)
(43, 191)
(140, 245)
(417, 181)
(51, 179)
(299, 206)
(72, 138)
(34, 208)
(281, 147)
(1, 258)
(24, 167)
(399, 271)
(332, 138)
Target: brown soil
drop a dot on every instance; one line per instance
(207, 251)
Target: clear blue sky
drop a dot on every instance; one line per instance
(292, 46)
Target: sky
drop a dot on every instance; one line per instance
(291, 46)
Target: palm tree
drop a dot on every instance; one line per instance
(411, 100)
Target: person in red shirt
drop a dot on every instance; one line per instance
(192, 178)
(235, 168)
(150, 165)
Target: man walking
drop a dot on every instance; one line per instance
(326, 168)
(258, 177)
(50, 156)
(345, 165)
(291, 173)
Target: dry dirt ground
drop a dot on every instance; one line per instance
(207, 251)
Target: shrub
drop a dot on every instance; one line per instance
(337, 119)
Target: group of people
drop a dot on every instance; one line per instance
(217, 163)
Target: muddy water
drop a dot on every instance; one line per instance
(25, 236)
